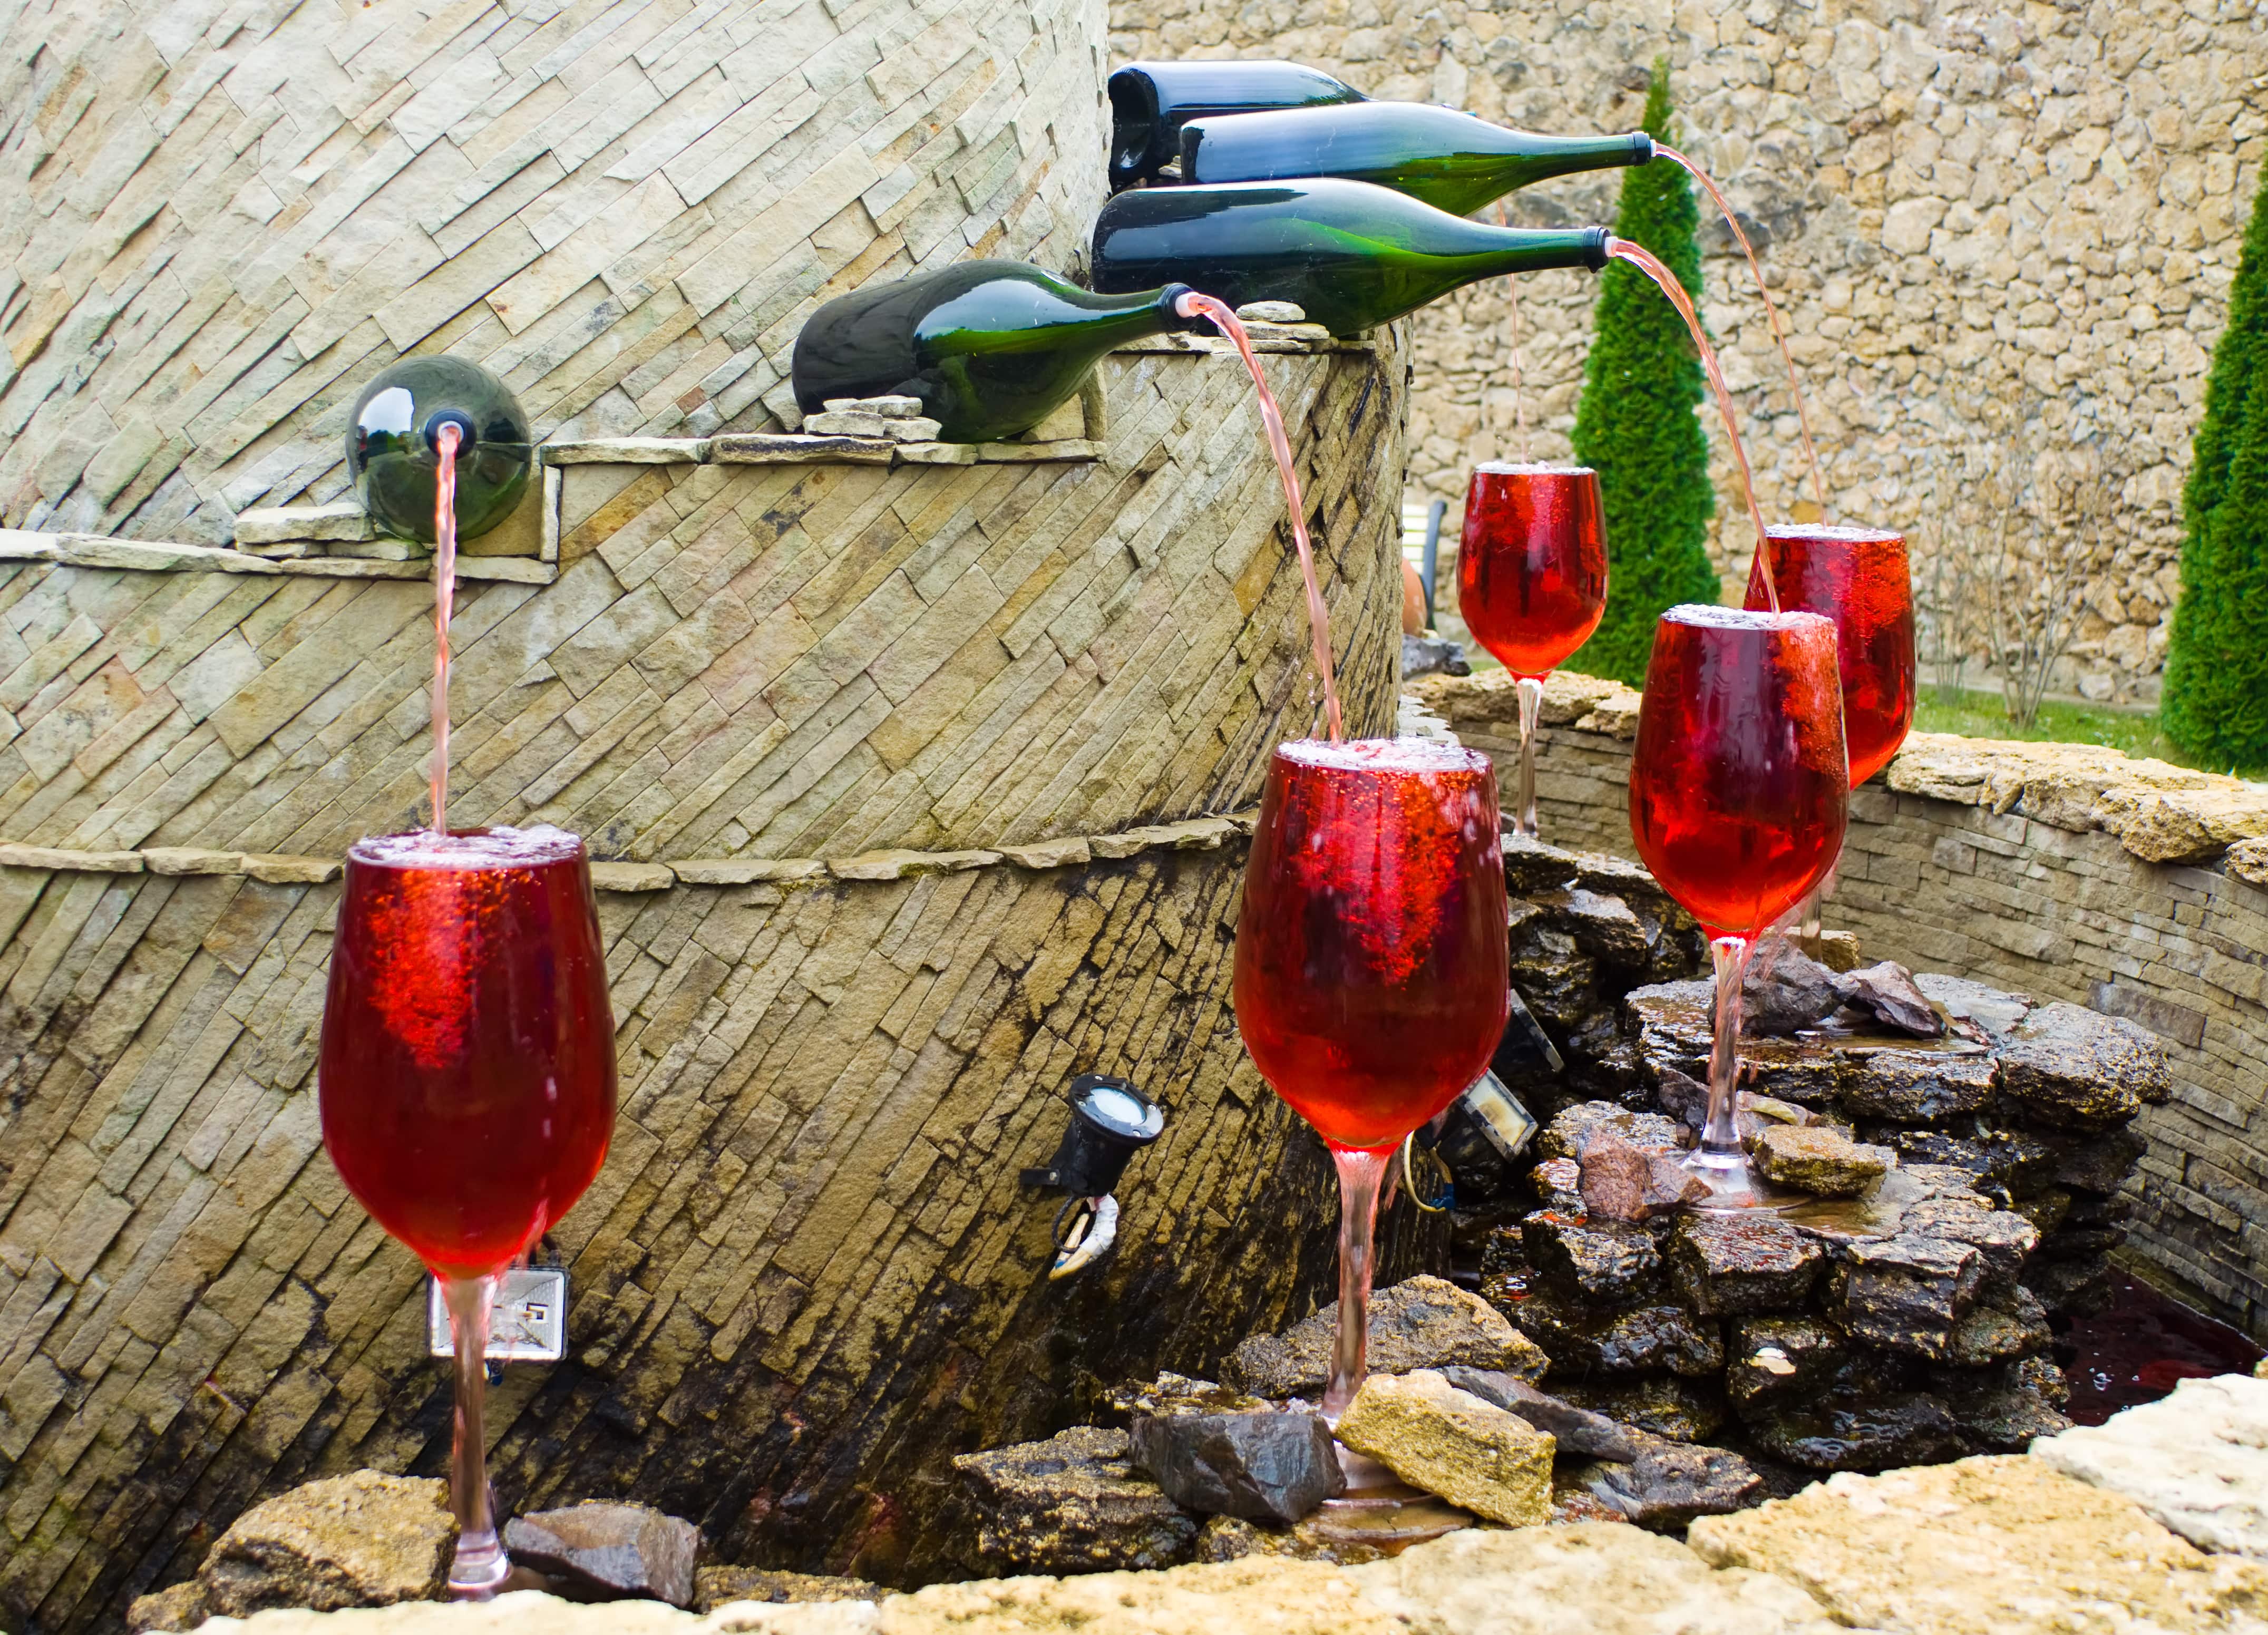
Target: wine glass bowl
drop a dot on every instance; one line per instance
(1532, 582)
(1739, 793)
(1857, 578)
(1371, 964)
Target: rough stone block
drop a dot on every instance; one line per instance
(363, 1540)
(1453, 1444)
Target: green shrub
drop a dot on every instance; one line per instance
(2215, 704)
(1636, 423)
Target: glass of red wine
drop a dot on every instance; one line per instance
(1857, 578)
(1371, 965)
(1739, 790)
(467, 1081)
(1532, 583)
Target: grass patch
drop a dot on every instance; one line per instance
(1981, 715)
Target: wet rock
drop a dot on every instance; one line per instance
(1836, 950)
(1888, 990)
(720, 1587)
(1571, 1130)
(1274, 1464)
(1782, 1357)
(1918, 1087)
(2045, 1212)
(1453, 1444)
(2071, 1288)
(1670, 1484)
(1819, 1160)
(1905, 1293)
(1591, 1260)
(1532, 866)
(1672, 1021)
(1683, 1411)
(2003, 1237)
(1603, 926)
(1642, 1339)
(1732, 1265)
(2197, 1460)
(1559, 981)
(1172, 1392)
(1421, 1322)
(1623, 1180)
(1558, 1182)
(1856, 1432)
(2099, 1163)
(1988, 1010)
(2072, 1069)
(1576, 1430)
(1997, 1333)
(1687, 1100)
(605, 1550)
(1785, 990)
(1233, 1538)
(178, 1607)
(1071, 1504)
(361, 1540)
(1997, 1417)
(2010, 1162)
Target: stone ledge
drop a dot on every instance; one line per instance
(89, 551)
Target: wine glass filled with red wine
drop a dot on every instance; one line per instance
(1739, 790)
(1532, 583)
(466, 1080)
(1858, 578)
(1371, 964)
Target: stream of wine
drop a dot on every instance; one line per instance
(444, 597)
(1223, 318)
(1771, 313)
(1640, 257)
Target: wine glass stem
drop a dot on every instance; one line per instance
(1531, 709)
(1721, 1137)
(480, 1563)
(1360, 1174)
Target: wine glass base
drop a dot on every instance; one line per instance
(478, 1570)
(1381, 1512)
(1732, 1185)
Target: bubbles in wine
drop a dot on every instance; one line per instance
(497, 848)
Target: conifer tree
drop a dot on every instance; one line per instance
(1636, 421)
(2215, 704)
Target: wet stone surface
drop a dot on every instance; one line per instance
(1668, 1484)
(1578, 1430)
(1818, 1159)
(608, 1550)
(1421, 1322)
(1659, 1339)
(1905, 1293)
(1591, 1260)
(2072, 1069)
(1071, 1504)
(1267, 1464)
(1731, 1264)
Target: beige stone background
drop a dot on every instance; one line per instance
(1964, 210)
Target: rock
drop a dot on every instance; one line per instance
(1558, 1182)
(360, 1540)
(2003, 1237)
(2074, 1288)
(1233, 1538)
(1836, 950)
(1918, 1087)
(2007, 1162)
(1568, 1133)
(1783, 991)
(1273, 312)
(2098, 1164)
(1072, 1504)
(1683, 1411)
(845, 422)
(718, 1586)
(1670, 1484)
(1453, 1444)
(1603, 926)
(1819, 1160)
(1271, 1464)
(177, 1607)
(1576, 1430)
(1558, 984)
(893, 406)
(1905, 1293)
(1623, 1180)
(1990, 1334)
(1871, 1432)
(1998, 1546)
(1687, 1100)
(1433, 655)
(1888, 990)
(1998, 1416)
(2072, 1069)
(1172, 1392)
(1735, 1263)
(1991, 1011)
(1421, 1322)
(1779, 1357)
(2197, 1460)
(1642, 1339)
(1591, 1260)
(607, 1550)
(2047, 1210)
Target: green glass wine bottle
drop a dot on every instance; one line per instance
(394, 436)
(1149, 102)
(988, 347)
(1452, 161)
(1353, 254)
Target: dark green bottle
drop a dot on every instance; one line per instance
(1149, 102)
(1353, 254)
(1452, 161)
(988, 347)
(394, 445)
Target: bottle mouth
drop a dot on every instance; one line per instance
(466, 433)
(1641, 147)
(1595, 241)
(1170, 303)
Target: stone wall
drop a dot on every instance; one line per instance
(1958, 205)
(218, 222)
(2059, 871)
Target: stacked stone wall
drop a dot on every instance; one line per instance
(2024, 866)
(1959, 207)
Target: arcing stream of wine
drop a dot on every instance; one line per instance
(1640, 257)
(1771, 313)
(444, 597)
(1223, 318)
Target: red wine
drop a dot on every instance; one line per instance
(467, 1077)
(1532, 562)
(1740, 787)
(1371, 953)
(1857, 578)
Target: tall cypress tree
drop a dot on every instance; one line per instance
(1636, 421)
(2216, 699)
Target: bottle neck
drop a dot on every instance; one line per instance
(1533, 158)
(1494, 251)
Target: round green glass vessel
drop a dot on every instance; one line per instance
(394, 442)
